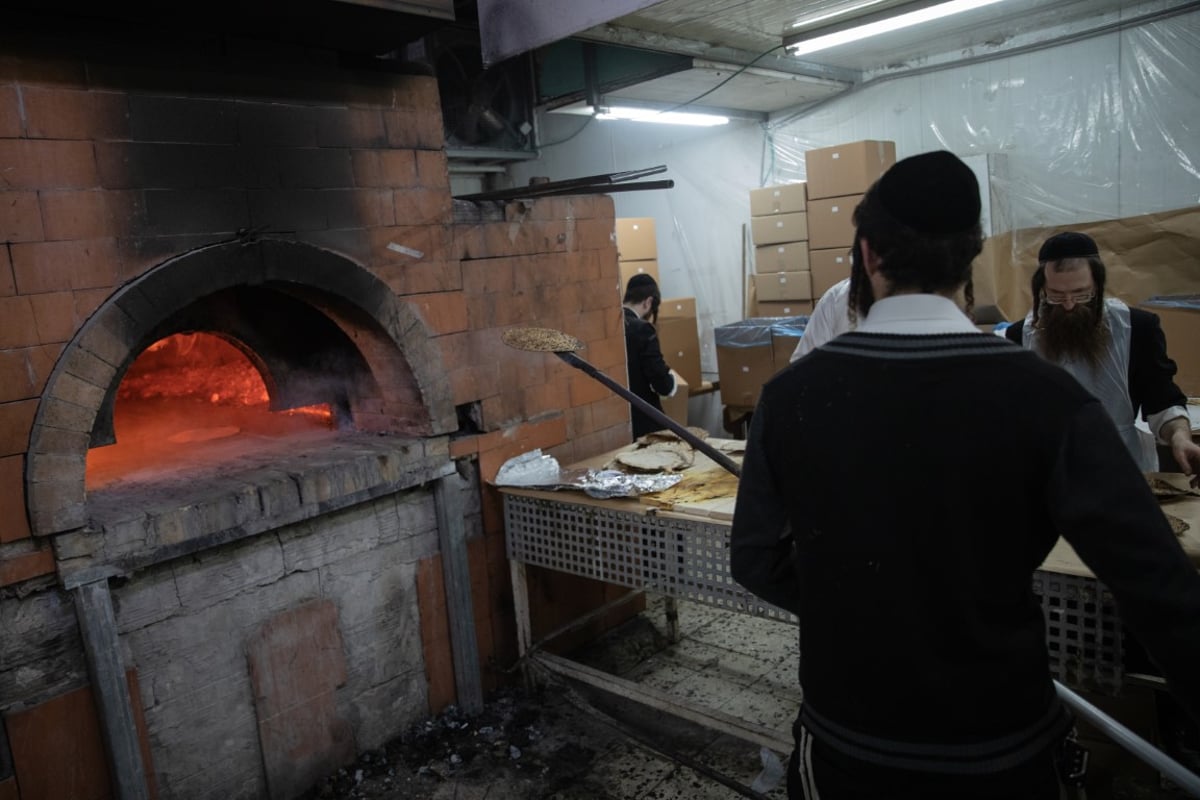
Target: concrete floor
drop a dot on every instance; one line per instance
(746, 667)
(566, 739)
(740, 667)
(572, 740)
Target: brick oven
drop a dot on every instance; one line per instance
(251, 386)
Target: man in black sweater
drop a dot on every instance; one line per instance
(649, 375)
(1117, 353)
(907, 556)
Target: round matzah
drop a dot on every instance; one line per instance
(543, 340)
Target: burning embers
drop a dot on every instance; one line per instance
(192, 396)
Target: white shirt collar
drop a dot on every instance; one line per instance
(915, 314)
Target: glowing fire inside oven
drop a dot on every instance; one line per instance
(189, 397)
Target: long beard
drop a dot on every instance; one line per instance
(1078, 334)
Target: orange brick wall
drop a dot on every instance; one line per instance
(68, 728)
(75, 219)
(104, 179)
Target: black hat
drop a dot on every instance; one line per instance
(1068, 244)
(933, 193)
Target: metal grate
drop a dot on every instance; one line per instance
(1083, 632)
(688, 560)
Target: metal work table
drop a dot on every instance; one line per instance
(682, 552)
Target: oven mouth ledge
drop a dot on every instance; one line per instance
(137, 523)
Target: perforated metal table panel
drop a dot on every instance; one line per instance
(687, 559)
(1083, 632)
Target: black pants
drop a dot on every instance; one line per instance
(1178, 732)
(816, 773)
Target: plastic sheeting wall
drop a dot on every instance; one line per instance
(1104, 127)
(1101, 128)
(698, 223)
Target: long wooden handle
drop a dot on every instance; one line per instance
(652, 412)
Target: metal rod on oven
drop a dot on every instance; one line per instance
(589, 183)
(621, 187)
(456, 577)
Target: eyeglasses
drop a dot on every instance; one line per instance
(1078, 298)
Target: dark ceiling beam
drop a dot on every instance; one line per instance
(645, 40)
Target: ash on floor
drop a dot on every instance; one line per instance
(568, 741)
(552, 744)
(523, 744)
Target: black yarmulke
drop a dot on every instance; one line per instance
(641, 279)
(1068, 244)
(933, 193)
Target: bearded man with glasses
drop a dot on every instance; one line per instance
(1118, 353)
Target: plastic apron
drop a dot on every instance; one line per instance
(1108, 381)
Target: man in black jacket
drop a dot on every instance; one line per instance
(1116, 352)
(908, 557)
(649, 375)
(1119, 354)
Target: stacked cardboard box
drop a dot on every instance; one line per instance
(750, 351)
(829, 267)
(837, 178)
(779, 228)
(637, 248)
(676, 406)
(679, 337)
(785, 335)
(1179, 316)
(678, 332)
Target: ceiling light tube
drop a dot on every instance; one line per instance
(666, 117)
(812, 22)
(802, 44)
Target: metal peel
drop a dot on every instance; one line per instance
(541, 340)
(548, 340)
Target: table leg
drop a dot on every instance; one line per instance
(671, 606)
(520, 590)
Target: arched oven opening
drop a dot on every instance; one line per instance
(230, 372)
(231, 391)
(190, 395)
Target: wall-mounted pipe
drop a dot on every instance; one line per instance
(110, 688)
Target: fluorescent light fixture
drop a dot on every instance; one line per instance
(665, 117)
(841, 12)
(638, 112)
(799, 44)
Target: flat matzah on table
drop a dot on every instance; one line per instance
(704, 492)
(707, 490)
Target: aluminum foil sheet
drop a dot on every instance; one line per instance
(535, 470)
(605, 483)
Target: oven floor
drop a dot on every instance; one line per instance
(161, 439)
